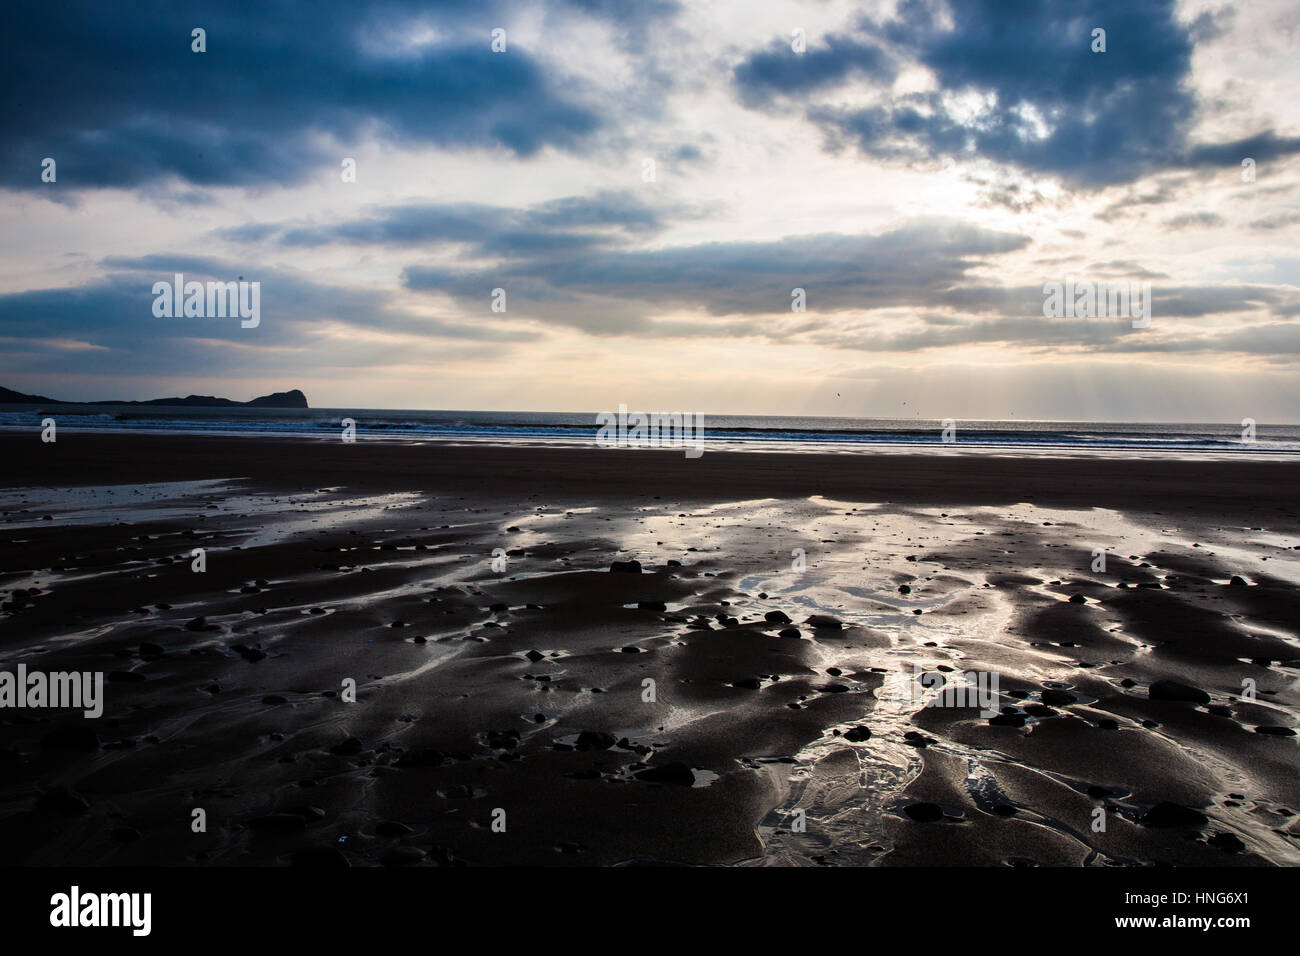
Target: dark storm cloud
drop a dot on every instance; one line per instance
(115, 95)
(778, 71)
(557, 227)
(613, 291)
(1051, 105)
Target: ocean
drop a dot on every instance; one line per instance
(744, 432)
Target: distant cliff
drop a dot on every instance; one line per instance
(290, 399)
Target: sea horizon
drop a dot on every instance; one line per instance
(720, 432)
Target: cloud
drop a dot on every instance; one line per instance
(1018, 84)
(613, 291)
(565, 225)
(108, 327)
(119, 99)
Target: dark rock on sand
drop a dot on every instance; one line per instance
(1173, 815)
(1007, 720)
(1057, 698)
(857, 734)
(502, 739)
(1275, 731)
(1172, 690)
(924, 812)
(777, 617)
(790, 632)
(1238, 582)
(675, 773)
(595, 740)
(1229, 842)
(652, 605)
(748, 683)
(825, 621)
(626, 567)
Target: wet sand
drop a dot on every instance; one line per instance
(521, 685)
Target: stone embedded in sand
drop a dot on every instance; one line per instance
(197, 624)
(1275, 731)
(924, 812)
(626, 567)
(1007, 720)
(904, 589)
(748, 683)
(652, 605)
(674, 773)
(595, 740)
(274, 699)
(1172, 815)
(1057, 698)
(857, 734)
(1172, 690)
(825, 621)
(1078, 599)
(1238, 582)
(1228, 842)
(535, 656)
(502, 739)
(790, 632)
(776, 617)
(1005, 810)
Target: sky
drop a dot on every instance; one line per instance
(648, 183)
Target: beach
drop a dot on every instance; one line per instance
(433, 653)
